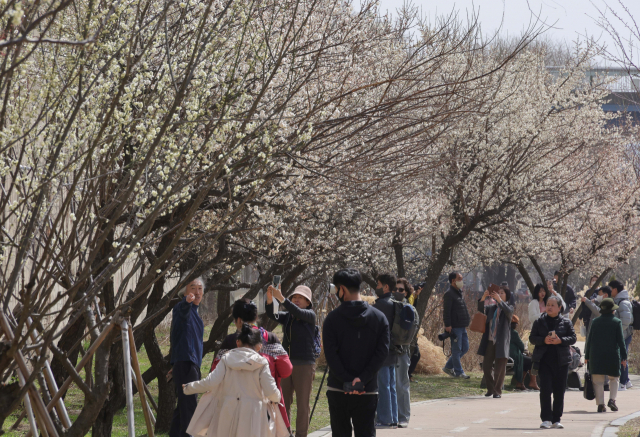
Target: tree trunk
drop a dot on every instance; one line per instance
(66, 342)
(166, 390)
(525, 275)
(397, 248)
(433, 274)
(511, 278)
(104, 422)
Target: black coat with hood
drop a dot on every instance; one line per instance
(356, 342)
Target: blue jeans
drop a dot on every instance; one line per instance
(387, 409)
(624, 371)
(403, 388)
(459, 347)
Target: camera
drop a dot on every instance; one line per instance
(445, 335)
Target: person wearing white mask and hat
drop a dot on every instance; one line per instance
(300, 332)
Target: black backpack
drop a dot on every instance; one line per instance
(635, 306)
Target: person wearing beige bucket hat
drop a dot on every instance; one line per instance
(299, 329)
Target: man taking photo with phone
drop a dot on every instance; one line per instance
(356, 343)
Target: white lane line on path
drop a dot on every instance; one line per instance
(460, 429)
(480, 421)
(505, 411)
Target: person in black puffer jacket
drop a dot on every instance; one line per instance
(298, 327)
(456, 320)
(552, 334)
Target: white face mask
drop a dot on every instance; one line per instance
(600, 297)
(459, 284)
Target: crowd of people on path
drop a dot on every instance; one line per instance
(371, 353)
(608, 318)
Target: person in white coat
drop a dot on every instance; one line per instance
(242, 395)
(538, 304)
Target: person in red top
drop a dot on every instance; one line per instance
(245, 311)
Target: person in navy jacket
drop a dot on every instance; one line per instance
(187, 331)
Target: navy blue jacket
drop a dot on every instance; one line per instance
(187, 331)
(356, 342)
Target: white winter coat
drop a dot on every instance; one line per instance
(237, 403)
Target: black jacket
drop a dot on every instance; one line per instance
(298, 331)
(388, 308)
(456, 313)
(564, 330)
(356, 343)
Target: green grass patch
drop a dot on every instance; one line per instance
(423, 388)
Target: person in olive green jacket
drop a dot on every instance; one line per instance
(604, 352)
(521, 363)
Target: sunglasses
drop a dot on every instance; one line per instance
(400, 289)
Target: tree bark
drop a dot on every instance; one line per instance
(397, 248)
(166, 391)
(525, 275)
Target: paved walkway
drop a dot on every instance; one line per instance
(513, 414)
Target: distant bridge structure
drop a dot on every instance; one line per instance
(624, 85)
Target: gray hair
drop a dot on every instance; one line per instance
(184, 289)
(557, 299)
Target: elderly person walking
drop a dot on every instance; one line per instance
(496, 339)
(299, 330)
(604, 351)
(552, 335)
(187, 331)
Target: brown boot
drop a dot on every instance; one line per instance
(533, 384)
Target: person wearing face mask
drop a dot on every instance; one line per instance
(387, 395)
(593, 305)
(356, 343)
(456, 320)
(624, 312)
(403, 385)
(298, 327)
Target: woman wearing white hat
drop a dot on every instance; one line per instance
(300, 332)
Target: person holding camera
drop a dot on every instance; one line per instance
(456, 320)
(552, 334)
(604, 352)
(496, 340)
(356, 343)
(187, 331)
(298, 328)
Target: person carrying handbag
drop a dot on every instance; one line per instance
(604, 352)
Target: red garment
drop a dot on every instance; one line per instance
(280, 367)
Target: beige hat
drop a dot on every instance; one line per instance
(303, 291)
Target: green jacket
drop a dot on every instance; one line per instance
(605, 347)
(516, 348)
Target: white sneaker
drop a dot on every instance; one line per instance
(628, 384)
(546, 424)
(622, 387)
(557, 425)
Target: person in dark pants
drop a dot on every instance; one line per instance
(494, 345)
(187, 331)
(552, 335)
(356, 343)
(387, 396)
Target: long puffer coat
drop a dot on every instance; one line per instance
(241, 389)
